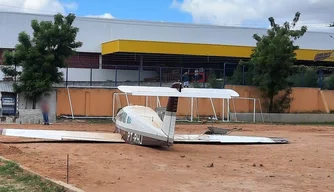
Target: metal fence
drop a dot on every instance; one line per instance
(134, 75)
(114, 75)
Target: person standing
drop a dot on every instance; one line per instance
(196, 75)
(45, 112)
(185, 79)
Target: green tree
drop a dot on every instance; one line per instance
(274, 56)
(42, 55)
(213, 82)
(244, 74)
(329, 82)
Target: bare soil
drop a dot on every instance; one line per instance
(306, 164)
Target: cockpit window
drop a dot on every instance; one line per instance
(123, 118)
(129, 120)
(119, 115)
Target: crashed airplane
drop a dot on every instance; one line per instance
(140, 125)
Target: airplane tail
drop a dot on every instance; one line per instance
(168, 125)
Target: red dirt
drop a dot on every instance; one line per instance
(307, 164)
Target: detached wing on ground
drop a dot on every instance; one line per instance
(64, 135)
(226, 139)
(116, 137)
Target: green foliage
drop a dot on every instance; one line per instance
(213, 82)
(196, 84)
(306, 77)
(329, 82)
(244, 74)
(274, 56)
(41, 56)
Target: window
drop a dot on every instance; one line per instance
(129, 120)
(123, 118)
(119, 115)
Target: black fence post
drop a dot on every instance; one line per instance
(139, 76)
(181, 74)
(66, 81)
(303, 78)
(116, 76)
(205, 78)
(160, 76)
(243, 75)
(320, 78)
(91, 77)
(224, 75)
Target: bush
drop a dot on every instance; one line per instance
(213, 82)
(329, 82)
(241, 75)
(305, 78)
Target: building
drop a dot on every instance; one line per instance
(131, 51)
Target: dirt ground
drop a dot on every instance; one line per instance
(306, 164)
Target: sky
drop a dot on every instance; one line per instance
(316, 14)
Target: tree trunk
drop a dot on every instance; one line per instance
(34, 101)
(271, 103)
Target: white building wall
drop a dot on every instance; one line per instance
(94, 31)
(77, 74)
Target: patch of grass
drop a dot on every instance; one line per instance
(14, 178)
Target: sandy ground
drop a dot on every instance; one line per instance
(306, 164)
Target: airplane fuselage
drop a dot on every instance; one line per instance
(141, 125)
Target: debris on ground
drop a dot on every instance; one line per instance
(211, 165)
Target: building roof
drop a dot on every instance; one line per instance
(156, 47)
(6, 87)
(95, 31)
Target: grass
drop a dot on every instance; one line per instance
(13, 179)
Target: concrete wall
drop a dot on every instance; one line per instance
(306, 100)
(94, 31)
(29, 115)
(98, 102)
(283, 118)
(329, 99)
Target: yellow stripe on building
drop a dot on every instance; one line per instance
(156, 47)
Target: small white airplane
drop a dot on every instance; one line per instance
(141, 125)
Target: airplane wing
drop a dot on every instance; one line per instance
(226, 139)
(116, 137)
(172, 92)
(64, 135)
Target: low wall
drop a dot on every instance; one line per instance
(95, 102)
(283, 117)
(305, 100)
(33, 116)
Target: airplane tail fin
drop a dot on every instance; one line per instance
(168, 125)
